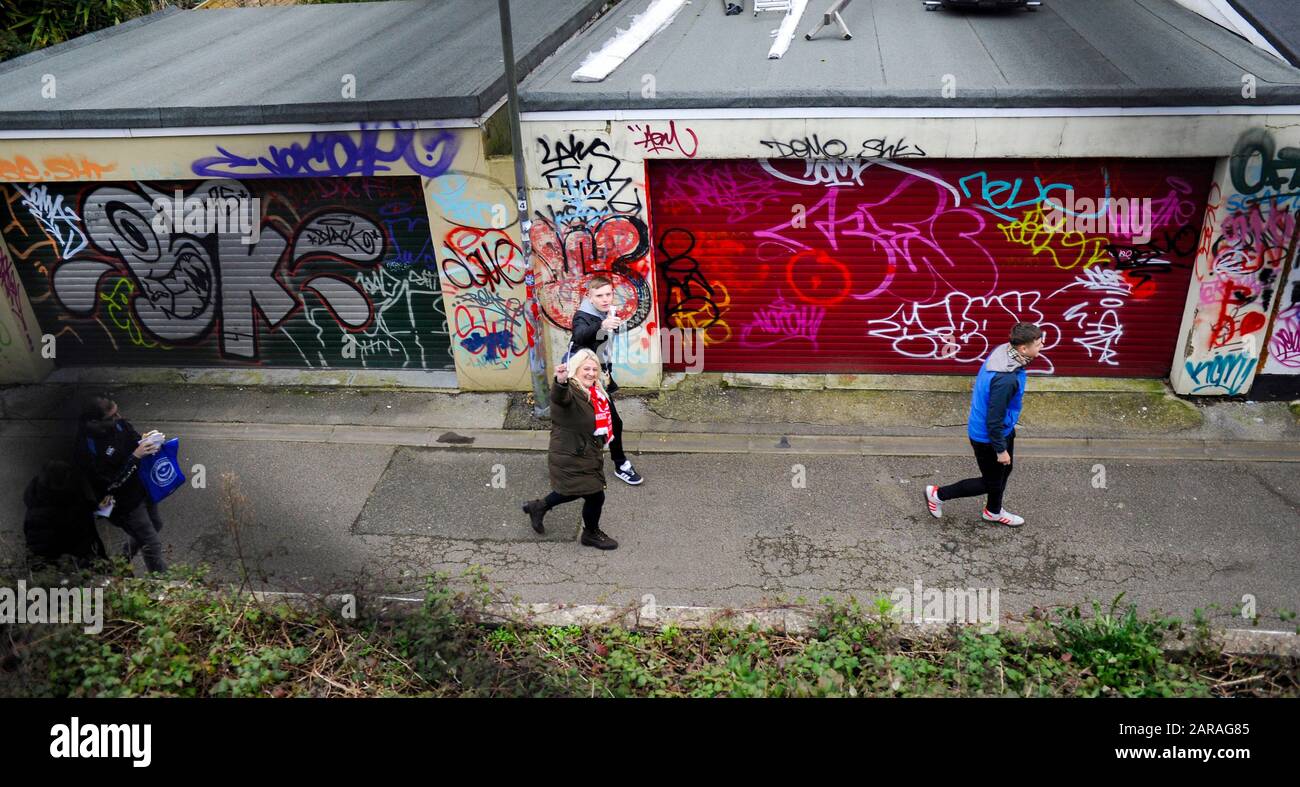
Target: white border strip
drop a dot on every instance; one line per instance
(1241, 26)
(801, 113)
(720, 113)
(203, 131)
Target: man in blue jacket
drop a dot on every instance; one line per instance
(995, 406)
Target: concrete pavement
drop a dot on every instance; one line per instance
(725, 519)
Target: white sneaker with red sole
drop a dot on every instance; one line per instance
(1004, 517)
(933, 502)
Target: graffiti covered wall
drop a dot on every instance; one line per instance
(1284, 340)
(23, 357)
(914, 265)
(339, 273)
(383, 247)
(589, 218)
(886, 205)
(1247, 237)
(481, 266)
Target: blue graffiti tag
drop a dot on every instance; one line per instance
(497, 344)
(991, 191)
(427, 152)
(1228, 372)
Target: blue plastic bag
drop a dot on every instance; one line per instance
(160, 473)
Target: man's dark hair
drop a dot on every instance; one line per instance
(597, 282)
(94, 413)
(1023, 333)
(96, 405)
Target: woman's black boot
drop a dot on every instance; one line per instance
(536, 510)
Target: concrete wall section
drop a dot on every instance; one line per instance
(587, 192)
(24, 350)
(1247, 240)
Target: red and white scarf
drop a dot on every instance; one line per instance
(604, 424)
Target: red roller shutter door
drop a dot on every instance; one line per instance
(921, 267)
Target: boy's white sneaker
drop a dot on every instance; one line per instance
(1004, 517)
(933, 502)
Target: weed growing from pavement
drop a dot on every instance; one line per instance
(195, 637)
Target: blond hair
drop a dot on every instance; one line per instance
(575, 362)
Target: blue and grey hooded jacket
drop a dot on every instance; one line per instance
(996, 401)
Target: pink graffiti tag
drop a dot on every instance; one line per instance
(9, 282)
(1285, 346)
(904, 258)
(783, 321)
(736, 189)
(658, 141)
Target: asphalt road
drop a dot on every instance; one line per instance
(731, 530)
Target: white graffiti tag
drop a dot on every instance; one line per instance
(958, 327)
(60, 221)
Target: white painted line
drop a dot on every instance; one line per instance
(601, 63)
(202, 131)
(819, 113)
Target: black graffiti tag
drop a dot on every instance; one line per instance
(1257, 143)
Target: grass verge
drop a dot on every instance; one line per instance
(193, 637)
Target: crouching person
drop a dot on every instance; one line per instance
(59, 523)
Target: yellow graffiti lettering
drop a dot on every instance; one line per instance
(1033, 231)
(118, 307)
(708, 319)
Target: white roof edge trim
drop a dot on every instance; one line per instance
(204, 131)
(1243, 27)
(809, 113)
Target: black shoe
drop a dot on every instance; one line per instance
(627, 473)
(536, 510)
(597, 539)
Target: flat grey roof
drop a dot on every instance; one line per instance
(1069, 53)
(412, 60)
(1276, 20)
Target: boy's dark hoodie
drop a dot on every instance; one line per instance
(587, 333)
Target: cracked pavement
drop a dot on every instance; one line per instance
(732, 530)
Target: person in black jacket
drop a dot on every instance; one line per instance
(580, 429)
(108, 451)
(60, 517)
(593, 324)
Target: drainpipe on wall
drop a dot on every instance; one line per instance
(536, 360)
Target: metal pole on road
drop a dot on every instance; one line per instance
(536, 356)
